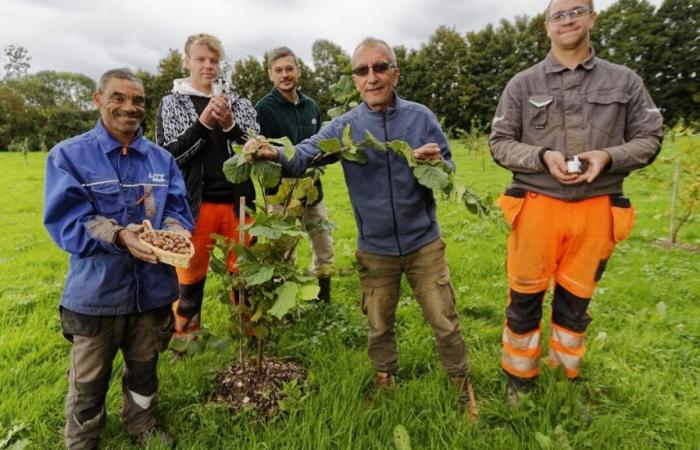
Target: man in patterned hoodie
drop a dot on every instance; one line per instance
(198, 128)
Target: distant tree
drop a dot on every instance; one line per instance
(495, 55)
(159, 85)
(630, 33)
(14, 118)
(45, 108)
(307, 83)
(16, 62)
(674, 65)
(249, 78)
(435, 76)
(330, 62)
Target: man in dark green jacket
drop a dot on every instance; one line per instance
(285, 111)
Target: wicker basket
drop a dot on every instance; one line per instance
(164, 256)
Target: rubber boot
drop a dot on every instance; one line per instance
(324, 293)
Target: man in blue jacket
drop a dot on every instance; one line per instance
(100, 186)
(398, 232)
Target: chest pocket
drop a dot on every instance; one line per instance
(108, 198)
(543, 115)
(607, 111)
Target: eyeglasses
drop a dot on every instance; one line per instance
(363, 71)
(575, 14)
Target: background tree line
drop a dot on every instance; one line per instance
(459, 76)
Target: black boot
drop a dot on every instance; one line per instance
(515, 387)
(324, 293)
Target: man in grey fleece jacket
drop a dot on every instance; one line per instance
(398, 232)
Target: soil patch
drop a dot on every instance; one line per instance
(668, 245)
(242, 388)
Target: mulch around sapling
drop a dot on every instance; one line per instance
(241, 388)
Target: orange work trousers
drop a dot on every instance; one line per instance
(213, 218)
(565, 242)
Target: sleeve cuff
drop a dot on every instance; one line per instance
(540, 156)
(235, 133)
(200, 128)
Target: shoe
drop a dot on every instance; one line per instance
(157, 434)
(515, 387)
(385, 381)
(324, 293)
(467, 400)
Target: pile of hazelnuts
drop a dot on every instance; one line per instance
(170, 242)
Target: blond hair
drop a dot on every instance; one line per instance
(212, 42)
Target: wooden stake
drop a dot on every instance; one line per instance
(674, 198)
(241, 290)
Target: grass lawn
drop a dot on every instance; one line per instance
(640, 386)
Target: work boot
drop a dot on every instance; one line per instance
(157, 434)
(324, 293)
(467, 400)
(385, 381)
(515, 387)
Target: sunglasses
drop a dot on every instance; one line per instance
(363, 71)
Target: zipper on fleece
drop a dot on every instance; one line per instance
(391, 188)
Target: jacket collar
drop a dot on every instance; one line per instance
(389, 111)
(277, 95)
(552, 65)
(108, 143)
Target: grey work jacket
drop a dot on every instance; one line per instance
(597, 106)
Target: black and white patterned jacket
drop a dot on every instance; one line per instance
(179, 131)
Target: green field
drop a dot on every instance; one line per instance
(640, 386)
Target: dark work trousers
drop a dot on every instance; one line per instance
(95, 342)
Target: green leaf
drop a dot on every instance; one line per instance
(336, 111)
(402, 441)
(260, 331)
(403, 149)
(235, 171)
(544, 440)
(268, 172)
(312, 195)
(374, 142)
(308, 291)
(286, 143)
(266, 232)
(261, 276)
(347, 139)
(431, 176)
(329, 146)
(286, 299)
(358, 157)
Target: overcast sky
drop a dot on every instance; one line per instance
(91, 36)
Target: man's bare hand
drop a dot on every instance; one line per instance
(221, 111)
(427, 152)
(130, 241)
(259, 148)
(556, 164)
(207, 117)
(597, 161)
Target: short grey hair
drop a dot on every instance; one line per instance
(120, 74)
(280, 52)
(374, 42)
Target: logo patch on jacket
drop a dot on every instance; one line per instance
(156, 177)
(313, 121)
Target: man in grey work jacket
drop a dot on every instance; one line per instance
(570, 128)
(100, 186)
(287, 112)
(398, 232)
